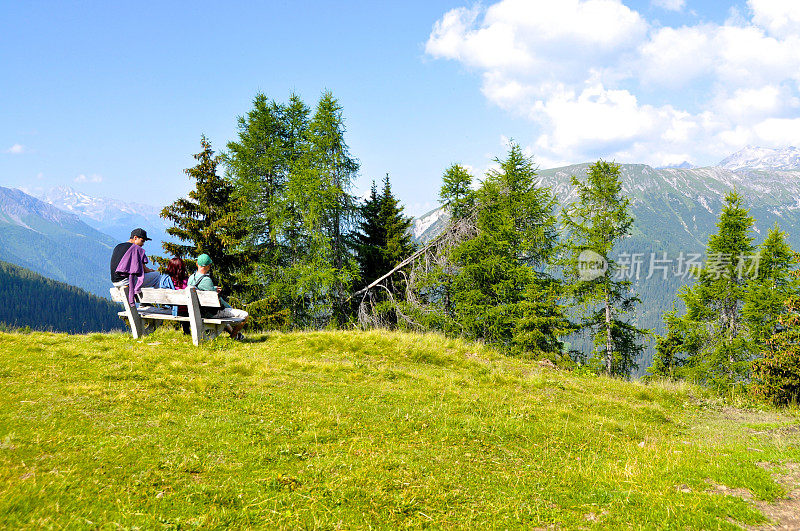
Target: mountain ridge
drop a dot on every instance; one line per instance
(111, 216)
(58, 245)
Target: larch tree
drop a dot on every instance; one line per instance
(257, 165)
(498, 285)
(710, 343)
(335, 169)
(599, 220)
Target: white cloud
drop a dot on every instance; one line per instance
(672, 57)
(93, 178)
(530, 36)
(606, 83)
(780, 18)
(17, 149)
(749, 104)
(777, 132)
(671, 5)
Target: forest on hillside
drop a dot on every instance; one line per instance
(513, 268)
(33, 301)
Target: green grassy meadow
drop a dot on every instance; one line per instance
(351, 430)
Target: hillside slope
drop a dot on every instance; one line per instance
(364, 430)
(29, 299)
(42, 238)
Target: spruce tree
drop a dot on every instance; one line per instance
(398, 228)
(384, 238)
(382, 241)
(595, 224)
(208, 221)
(370, 240)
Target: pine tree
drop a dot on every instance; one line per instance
(208, 221)
(600, 220)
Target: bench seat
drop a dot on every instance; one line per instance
(144, 319)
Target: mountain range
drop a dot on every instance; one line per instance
(677, 208)
(56, 244)
(110, 216)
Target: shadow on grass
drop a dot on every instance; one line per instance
(256, 337)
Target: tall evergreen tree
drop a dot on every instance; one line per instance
(456, 191)
(370, 240)
(595, 224)
(776, 372)
(398, 227)
(258, 163)
(710, 343)
(768, 287)
(499, 290)
(335, 168)
(208, 221)
(384, 238)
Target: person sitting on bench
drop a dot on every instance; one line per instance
(202, 281)
(128, 267)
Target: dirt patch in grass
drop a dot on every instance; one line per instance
(783, 513)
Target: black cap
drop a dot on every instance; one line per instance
(140, 233)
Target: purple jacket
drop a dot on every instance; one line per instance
(132, 264)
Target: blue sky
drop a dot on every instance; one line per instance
(112, 98)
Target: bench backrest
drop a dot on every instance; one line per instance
(209, 299)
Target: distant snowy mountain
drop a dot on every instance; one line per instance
(428, 225)
(98, 209)
(111, 216)
(685, 165)
(40, 237)
(757, 158)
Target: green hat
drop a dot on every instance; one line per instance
(204, 260)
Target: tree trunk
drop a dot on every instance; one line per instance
(609, 354)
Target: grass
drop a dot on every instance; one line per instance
(338, 430)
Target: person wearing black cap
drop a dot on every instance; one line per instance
(138, 237)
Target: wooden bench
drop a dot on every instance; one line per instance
(145, 319)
